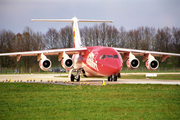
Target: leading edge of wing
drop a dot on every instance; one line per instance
(143, 52)
(45, 52)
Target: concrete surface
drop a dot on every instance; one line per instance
(63, 79)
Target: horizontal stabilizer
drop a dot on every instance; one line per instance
(51, 20)
(75, 27)
(68, 20)
(82, 20)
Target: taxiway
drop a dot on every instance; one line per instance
(63, 79)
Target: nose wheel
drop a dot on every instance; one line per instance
(112, 78)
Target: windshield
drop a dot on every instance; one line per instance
(108, 56)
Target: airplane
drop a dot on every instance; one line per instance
(94, 61)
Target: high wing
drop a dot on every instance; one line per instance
(144, 53)
(45, 52)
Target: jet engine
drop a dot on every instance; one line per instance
(132, 63)
(67, 63)
(45, 64)
(152, 64)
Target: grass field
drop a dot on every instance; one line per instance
(46, 101)
(141, 76)
(159, 76)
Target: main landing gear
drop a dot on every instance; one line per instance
(75, 75)
(114, 77)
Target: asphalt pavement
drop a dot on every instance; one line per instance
(63, 79)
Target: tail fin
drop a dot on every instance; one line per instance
(76, 32)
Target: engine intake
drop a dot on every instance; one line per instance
(132, 63)
(152, 64)
(67, 63)
(45, 64)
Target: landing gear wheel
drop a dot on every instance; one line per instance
(119, 75)
(110, 78)
(72, 78)
(75, 75)
(78, 78)
(115, 77)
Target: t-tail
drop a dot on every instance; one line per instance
(75, 26)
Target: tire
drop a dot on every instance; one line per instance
(72, 78)
(115, 77)
(109, 78)
(119, 75)
(78, 79)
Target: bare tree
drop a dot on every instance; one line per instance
(167, 38)
(159, 40)
(152, 38)
(28, 46)
(103, 27)
(122, 37)
(176, 39)
(176, 43)
(38, 43)
(147, 36)
(96, 35)
(65, 37)
(112, 36)
(6, 45)
(51, 39)
(133, 40)
(84, 36)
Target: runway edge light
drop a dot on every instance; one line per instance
(103, 83)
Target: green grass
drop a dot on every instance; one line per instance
(125, 70)
(46, 101)
(159, 76)
(168, 77)
(139, 76)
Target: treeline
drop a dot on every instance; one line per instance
(146, 38)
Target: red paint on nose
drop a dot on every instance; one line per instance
(103, 61)
(110, 67)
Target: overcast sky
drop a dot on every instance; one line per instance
(16, 14)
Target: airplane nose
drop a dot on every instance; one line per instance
(114, 69)
(111, 69)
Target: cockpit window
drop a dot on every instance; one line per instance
(102, 56)
(109, 56)
(116, 56)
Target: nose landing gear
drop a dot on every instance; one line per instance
(114, 77)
